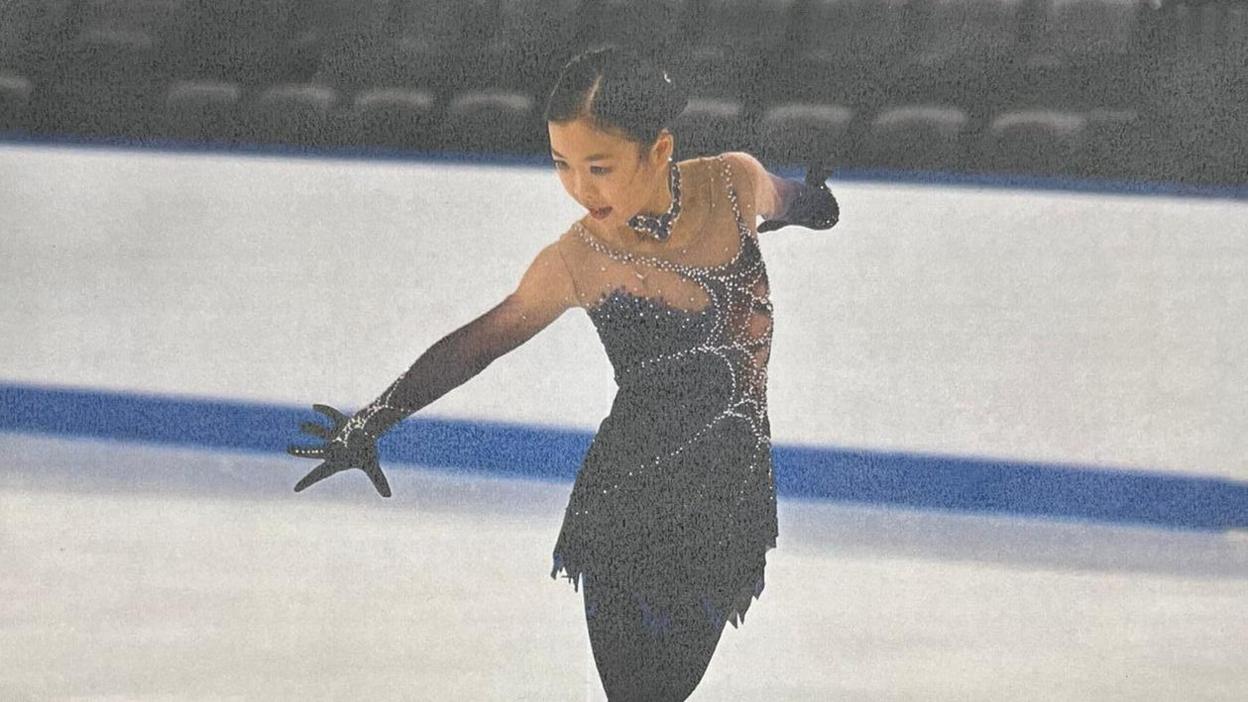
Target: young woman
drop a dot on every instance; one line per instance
(673, 510)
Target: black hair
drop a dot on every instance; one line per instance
(618, 90)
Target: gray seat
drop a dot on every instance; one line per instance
(1114, 145)
(923, 137)
(1198, 127)
(650, 26)
(202, 110)
(104, 82)
(441, 44)
(738, 47)
(795, 133)
(520, 55)
(847, 51)
(497, 121)
(15, 93)
(21, 22)
(393, 117)
(709, 126)
(293, 114)
(242, 41)
(1085, 55)
(1037, 142)
(964, 54)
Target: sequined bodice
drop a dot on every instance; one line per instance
(729, 338)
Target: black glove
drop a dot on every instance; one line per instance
(813, 208)
(348, 445)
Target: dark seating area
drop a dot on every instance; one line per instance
(1119, 89)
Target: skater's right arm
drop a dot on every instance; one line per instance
(543, 294)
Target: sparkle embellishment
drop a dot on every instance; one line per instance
(660, 227)
(738, 291)
(653, 341)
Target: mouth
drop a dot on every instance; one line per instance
(600, 212)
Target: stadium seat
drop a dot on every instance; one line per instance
(795, 133)
(921, 137)
(1114, 143)
(440, 44)
(845, 51)
(965, 53)
(650, 26)
(241, 41)
(323, 30)
(1084, 55)
(492, 121)
(446, 26)
(710, 126)
(104, 82)
(203, 110)
(521, 54)
(393, 117)
(1197, 125)
(737, 47)
(14, 103)
(20, 25)
(292, 114)
(1034, 142)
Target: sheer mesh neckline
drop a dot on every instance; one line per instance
(600, 246)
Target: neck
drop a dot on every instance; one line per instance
(661, 199)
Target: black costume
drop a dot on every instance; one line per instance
(674, 508)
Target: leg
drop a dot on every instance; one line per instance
(640, 659)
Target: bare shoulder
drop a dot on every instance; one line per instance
(745, 173)
(745, 167)
(757, 186)
(570, 247)
(548, 282)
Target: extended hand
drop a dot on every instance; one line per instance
(814, 207)
(343, 450)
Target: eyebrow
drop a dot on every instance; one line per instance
(592, 157)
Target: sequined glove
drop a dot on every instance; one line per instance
(350, 443)
(814, 207)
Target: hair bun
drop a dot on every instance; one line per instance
(619, 88)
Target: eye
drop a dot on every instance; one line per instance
(599, 170)
(560, 164)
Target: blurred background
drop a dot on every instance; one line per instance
(1132, 90)
(1007, 391)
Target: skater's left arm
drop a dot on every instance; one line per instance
(784, 201)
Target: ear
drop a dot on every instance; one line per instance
(664, 148)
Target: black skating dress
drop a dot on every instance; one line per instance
(675, 500)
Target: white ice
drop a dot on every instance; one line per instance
(153, 573)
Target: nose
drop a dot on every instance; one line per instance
(581, 191)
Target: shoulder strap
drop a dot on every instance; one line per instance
(732, 192)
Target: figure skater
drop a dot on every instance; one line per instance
(673, 510)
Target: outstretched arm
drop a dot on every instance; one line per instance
(544, 293)
(784, 201)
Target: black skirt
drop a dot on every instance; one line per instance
(675, 501)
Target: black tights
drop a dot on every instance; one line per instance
(640, 659)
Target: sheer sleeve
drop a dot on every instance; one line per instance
(545, 291)
(767, 195)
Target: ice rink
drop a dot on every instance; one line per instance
(1101, 333)
(212, 581)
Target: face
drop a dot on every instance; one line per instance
(606, 174)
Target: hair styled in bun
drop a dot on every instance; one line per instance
(617, 90)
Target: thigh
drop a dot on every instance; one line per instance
(644, 654)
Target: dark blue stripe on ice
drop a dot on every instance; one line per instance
(934, 482)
